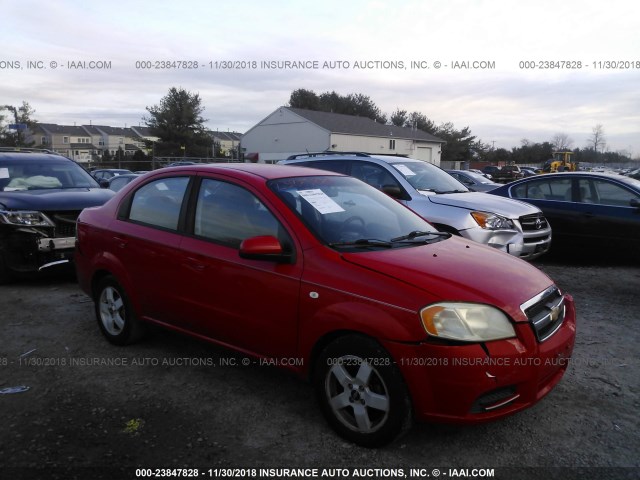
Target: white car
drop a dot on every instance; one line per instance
(508, 225)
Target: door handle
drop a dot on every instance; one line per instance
(196, 264)
(121, 242)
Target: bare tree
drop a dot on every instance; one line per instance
(561, 142)
(597, 140)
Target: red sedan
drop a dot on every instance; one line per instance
(327, 276)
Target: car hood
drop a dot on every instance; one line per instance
(486, 203)
(459, 270)
(55, 199)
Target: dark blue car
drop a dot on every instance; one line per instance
(583, 208)
(41, 196)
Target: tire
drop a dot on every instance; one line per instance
(116, 318)
(361, 391)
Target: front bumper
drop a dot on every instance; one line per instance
(25, 252)
(525, 245)
(465, 384)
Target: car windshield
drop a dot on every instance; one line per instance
(344, 212)
(427, 178)
(19, 175)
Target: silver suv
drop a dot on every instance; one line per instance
(508, 225)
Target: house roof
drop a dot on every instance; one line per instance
(125, 132)
(142, 131)
(52, 128)
(229, 136)
(350, 124)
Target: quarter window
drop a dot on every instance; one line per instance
(158, 203)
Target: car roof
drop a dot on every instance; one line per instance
(126, 175)
(356, 156)
(610, 176)
(265, 170)
(32, 157)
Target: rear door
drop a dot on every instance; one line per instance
(605, 212)
(146, 238)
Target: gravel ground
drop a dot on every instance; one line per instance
(93, 410)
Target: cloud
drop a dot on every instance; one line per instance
(229, 42)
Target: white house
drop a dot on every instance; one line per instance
(289, 131)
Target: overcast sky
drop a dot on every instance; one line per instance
(376, 41)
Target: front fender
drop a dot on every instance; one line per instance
(378, 320)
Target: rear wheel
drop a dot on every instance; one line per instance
(361, 391)
(116, 318)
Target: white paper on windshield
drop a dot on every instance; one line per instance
(320, 201)
(403, 169)
(4, 173)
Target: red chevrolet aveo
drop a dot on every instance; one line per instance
(390, 319)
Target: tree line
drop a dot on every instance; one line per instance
(177, 120)
(462, 145)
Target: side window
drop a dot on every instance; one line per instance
(158, 203)
(605, 193)
(228, 214)
(373, 174)
(548, 189)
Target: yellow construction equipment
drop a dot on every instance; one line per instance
(561, 162)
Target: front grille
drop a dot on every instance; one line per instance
(534, 222)
(545, 312)
(65, 223)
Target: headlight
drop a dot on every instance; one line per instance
(24, 218)
(492, 221)
(466, 322)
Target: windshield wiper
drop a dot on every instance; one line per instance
(363, 243)
(419, 233)
(456, 191)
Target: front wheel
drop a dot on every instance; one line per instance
(116, 318)
(361, 391)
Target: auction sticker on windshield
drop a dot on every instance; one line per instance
(403, 169)
(320, 201)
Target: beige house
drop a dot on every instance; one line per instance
(289, 131)
(86, 143)
(71, 141)
(229, 143)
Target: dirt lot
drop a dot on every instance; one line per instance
(93, 410)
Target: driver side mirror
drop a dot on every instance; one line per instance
(264, 247)
(393, 191)
(634, 203)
